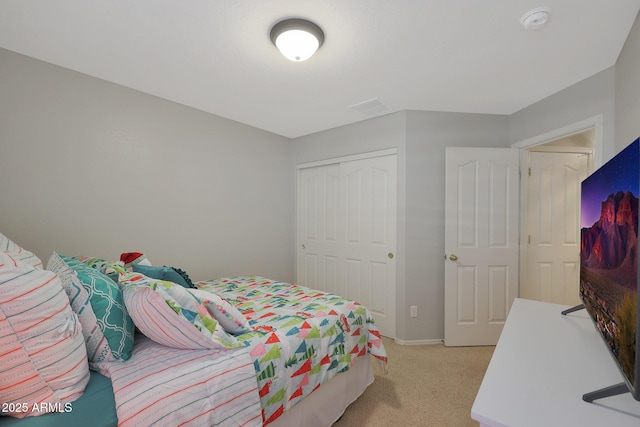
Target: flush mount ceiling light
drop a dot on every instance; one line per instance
(297, 39)
(535, 18)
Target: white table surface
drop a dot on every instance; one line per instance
(544, 362)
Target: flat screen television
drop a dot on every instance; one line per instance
(609, 263)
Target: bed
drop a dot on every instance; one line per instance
(231, 351)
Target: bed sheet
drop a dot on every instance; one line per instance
(300, 337)
(95, 408)
(164, 386)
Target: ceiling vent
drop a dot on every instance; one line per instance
(370, 107)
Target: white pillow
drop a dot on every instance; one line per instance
(17, 252)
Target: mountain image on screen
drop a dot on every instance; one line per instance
(611, 243)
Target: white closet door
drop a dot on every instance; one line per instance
(347, 233)
(318, 227)
(368, 236)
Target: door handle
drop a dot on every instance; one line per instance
(452, 257)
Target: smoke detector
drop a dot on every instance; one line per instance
(535, 18)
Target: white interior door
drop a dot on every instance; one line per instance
(481, 243)
(553, 227)
(347, 233)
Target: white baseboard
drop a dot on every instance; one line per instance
(418, 342)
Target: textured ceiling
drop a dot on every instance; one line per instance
(216, 55)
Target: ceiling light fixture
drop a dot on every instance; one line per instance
(535, 18)
(297, 39)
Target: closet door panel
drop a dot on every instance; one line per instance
(318, 227)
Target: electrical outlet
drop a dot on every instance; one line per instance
(414, 311)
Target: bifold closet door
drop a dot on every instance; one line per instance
(318, 227)
(347, 233)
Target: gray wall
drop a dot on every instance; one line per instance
(92, 168)
(627, 120)
(589, 98)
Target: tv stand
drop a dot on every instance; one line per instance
(572, 309)
(603, 392)
(613, 390)
(540, 369)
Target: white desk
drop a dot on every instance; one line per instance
(544, 362)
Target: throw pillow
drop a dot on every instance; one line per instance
(19, 253)
(106, 325)
(168, 314)
(44, 360)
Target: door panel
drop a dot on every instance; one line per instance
(318, 227)
(369, 198)
(466, 297)
(466, 210)
(481, 243)
(498, 294)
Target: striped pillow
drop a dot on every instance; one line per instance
(155, 319)
(43, 360)
(170, 315)
(20, 254)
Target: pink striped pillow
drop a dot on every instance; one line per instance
(158, 321)
(42, 352)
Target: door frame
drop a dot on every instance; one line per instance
(341, 159)
(596, 123)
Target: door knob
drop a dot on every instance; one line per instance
(390, 255)
(303, 246)
(452, 257)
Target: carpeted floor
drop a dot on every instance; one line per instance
(427, 385)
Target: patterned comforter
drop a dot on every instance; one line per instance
(301, 338)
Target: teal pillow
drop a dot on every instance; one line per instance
(168, 274)
(107, 304)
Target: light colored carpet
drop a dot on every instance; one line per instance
(427, 385)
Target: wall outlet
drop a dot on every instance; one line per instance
(414, 311)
